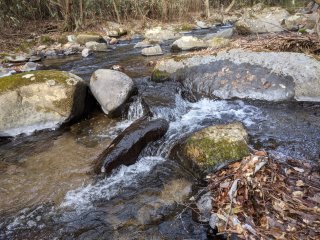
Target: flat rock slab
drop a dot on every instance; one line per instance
(242, 74)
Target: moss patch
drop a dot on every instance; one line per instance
(15, 81)
(159, 76)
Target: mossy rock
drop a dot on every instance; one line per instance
(39, 99)
(160, 76)
(216, 145)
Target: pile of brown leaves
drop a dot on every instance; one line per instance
(260, 198)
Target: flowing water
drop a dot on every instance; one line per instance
(49, 191)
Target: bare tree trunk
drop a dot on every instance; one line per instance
(230, 6)
(68, 16)
(116, 11)
(207, 8)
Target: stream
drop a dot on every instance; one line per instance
(47, 186)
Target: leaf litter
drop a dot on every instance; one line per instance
(262, 198)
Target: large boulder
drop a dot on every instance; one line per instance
(39, 100)
(271, 76)
(264, 21)
(152, 51)
(83, 38)
(125, 149)
(216, 145)
(110, 88)
(301, 21)
(159, 35)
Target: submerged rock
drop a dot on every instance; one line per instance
(110, 88)
(270, 76)
(217, 144)
(38, 100)
(152, 51)
(264, 21)
(125, 149)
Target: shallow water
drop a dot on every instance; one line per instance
(48, 190)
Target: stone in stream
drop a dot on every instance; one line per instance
(143, 44)
(216, 145)
(111, 89)
(83, 38)
(159, 35)
(17, 58)
(97, 47)
(125, 149)
(224, 33)
(39, 100)
(189, 43)
(270, 76)
(30, 66)
(152, 51)
(86, 52)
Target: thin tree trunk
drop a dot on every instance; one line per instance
(116, 11)
(230, 6)
(207, 8)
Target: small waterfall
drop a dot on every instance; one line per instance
(135, 110)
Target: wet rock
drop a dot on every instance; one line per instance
(216, 145)
(188, 43)
(152, 51)
(84, 38)
(30, 66)
(159, 35)
(264, 21)
(125, 149)
(113, 41)
(39, 100)
(225, 33)
(70, 48)
(117, 33)
(110, 88)
(86, 52)
(17, 58)
(267, 76)
(143, 44)
(97, 47)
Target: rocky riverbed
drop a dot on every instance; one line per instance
(118, 142)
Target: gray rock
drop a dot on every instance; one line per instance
(110, 88)
(84, 38)
(71, 48)
(188, 43)
(17, 58)
(204, 205)
(39, 100)
(270, 76)
(267, 20)
(97, 47)
(86, 52)
(202, 25)
(159, 35)
(71, 38)
(225, 33)
(301, 21)
(117, 32)
(152, 51)
(30, 66)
